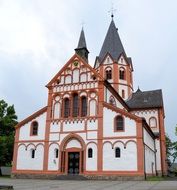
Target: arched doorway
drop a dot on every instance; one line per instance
(72, 155)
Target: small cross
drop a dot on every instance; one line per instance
(82, 24)
(112, 10)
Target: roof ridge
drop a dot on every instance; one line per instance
(147, 91)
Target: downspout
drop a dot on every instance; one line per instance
(144, 154)
(160, 143)
(155, 157)
(144, 162)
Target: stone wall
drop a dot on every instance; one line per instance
(78, 177)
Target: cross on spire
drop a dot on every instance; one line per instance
(112, 10)
(82, 24)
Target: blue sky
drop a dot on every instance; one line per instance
(37, 37)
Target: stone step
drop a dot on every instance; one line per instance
(71, 177)
(4, 187)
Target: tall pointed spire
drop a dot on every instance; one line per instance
(112, 43)
(82, 47)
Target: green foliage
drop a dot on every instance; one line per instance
(6, 149)
(174, 154)
(169, 148)
(8, 120)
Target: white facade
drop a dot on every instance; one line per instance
(87, 127)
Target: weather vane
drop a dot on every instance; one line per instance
(112, 10)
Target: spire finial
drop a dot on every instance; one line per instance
(82, 24)
(138, 90)
(112, 10)
(82, 47)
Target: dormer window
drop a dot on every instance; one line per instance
(108, 74)
(122, 73)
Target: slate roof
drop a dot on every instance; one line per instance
(112, 44)
(146, 99)
(129, 60)
(82, 41)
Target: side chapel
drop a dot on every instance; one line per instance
(94, 124)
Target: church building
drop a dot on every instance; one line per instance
(94, 124)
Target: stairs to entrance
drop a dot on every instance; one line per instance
(71, 177)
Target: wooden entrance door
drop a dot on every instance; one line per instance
(73, 162)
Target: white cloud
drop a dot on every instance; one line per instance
(21, 31)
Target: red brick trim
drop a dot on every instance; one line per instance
(36, 114)
(121, 111)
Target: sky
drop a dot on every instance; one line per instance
(37, 37)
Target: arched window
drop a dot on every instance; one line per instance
(56, 153)
(122, 73)
(75, 105)
(83, 106)
(93, 107)
(117, 152)
(34, 128)
(83, 77)
(90, 153)
(66, 107)
(108, 74)
(56, 110)
(119, 123)
(32, 153)
(123, 93)
(153, 122)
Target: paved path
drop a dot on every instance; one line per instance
(28, 184)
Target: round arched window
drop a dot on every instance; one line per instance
(34, 127)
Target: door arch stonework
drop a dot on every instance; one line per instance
(72, 144)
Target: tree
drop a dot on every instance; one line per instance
(174, 154)
(169, 149)
(8, 120)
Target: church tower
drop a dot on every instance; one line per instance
(81, 49)
(113, 63)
